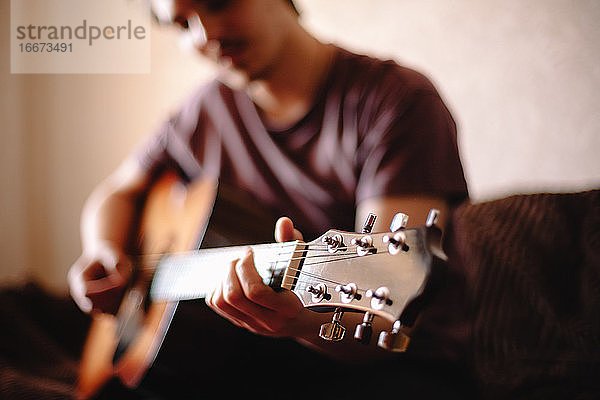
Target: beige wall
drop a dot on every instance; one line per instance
(521, 77)
(61, 135)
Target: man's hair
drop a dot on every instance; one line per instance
(289, 2)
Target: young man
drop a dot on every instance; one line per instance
(316, 133)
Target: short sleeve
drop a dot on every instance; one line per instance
(152, 152)
(410, 148)
(170, 145)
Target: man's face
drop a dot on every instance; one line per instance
(249, 34)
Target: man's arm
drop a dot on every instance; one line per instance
(99, 275)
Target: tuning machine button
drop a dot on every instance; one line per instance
(432, 218)
(397, 241)
(334, 243)
(369, 223)
(364, 245)
(379, 297)
(333, 331)
(395, 340)
(364, 331)
(400, 221)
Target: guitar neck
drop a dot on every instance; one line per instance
(195, 274)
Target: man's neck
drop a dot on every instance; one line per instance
(290, 89)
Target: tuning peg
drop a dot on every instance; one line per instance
(395, 340)
(369, 223)
(364, 331)
(396, 242)
(334, 243)
(364, 245)
(333, 331)
(400, 221)
(318, 292)
(348, 292)
(379, 297)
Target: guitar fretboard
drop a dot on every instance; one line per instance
(193, 275)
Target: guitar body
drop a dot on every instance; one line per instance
(174, 219)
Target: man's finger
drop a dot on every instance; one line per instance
(257, 292)
(95, 270)
(230, 302)
(102, 285)
(215, 301)
(285, 231)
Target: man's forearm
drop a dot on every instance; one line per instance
(109, 211)
(107, 217)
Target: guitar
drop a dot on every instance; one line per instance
(383, 275)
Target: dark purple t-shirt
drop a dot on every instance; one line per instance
(375, 129)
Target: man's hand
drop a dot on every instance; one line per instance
(98, 278)
(246, 301)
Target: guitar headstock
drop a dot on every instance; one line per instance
(378, 274)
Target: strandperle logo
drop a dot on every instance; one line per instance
(85, 31)
(80, 36)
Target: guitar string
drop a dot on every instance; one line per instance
(301, 271)
(317, 277)
(152, 259)
(282, 246)
(302, 283)
(157, 257)
(312, 277)
(303, 279)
